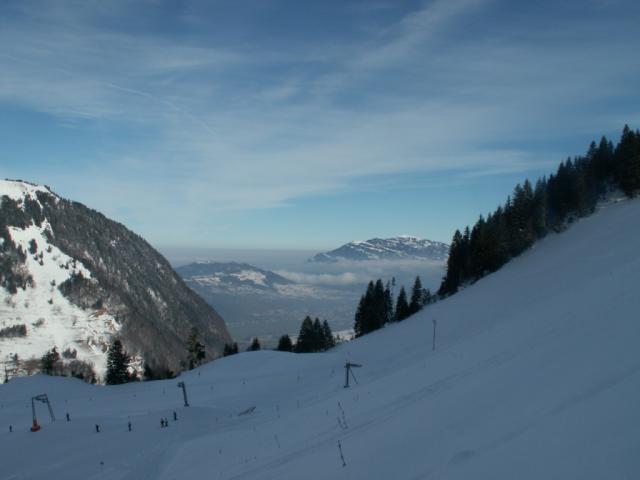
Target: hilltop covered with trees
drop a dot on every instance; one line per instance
(548, 206)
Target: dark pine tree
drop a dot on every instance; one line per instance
(230, 349)
(285, 344)
(388, 302)
(373, 309)
(49, 362)
(402, 306)
(195, 349)
(455, 267)
(117, 364)
(418, 296)
(318, 336)
(254, 346)
(359, 317)
(627, 156)
(306, 337)
(327, 336)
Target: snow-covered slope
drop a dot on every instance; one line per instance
(536, 374)
(49, 317)
(397, 248)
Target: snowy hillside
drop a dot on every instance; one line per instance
(49, 317)
(70, 278)
(397, 248)
(535, 374)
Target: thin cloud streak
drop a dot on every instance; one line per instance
(218, 138)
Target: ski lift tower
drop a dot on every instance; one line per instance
(44, 399)
(184, 393)
(347, 371)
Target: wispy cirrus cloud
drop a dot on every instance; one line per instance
(259, 123)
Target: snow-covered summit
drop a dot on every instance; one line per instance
(18, 190)
(403, 247)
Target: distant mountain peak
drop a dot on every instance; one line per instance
(402, 247)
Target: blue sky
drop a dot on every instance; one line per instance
(304, 124)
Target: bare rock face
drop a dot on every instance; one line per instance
(75, 279)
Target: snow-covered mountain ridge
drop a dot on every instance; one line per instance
(404, 247)
(232, 277)
(72, 279)
(535, 374)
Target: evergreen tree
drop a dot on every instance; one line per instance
(627, 156)
(318, 336)
(357, 327)
(49, 362)
(117, 364)
(373, 310)
(388, 302)
(255, 345)
(418, 295)
(285, 344)
(195, 349)
(539, 209)
(327, 336)
(428, 297)
(306, 337)
(455, 267)
(230, 349)
(402, 306)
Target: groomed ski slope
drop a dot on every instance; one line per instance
(536, 375)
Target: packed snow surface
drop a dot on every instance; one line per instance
(535, 374)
